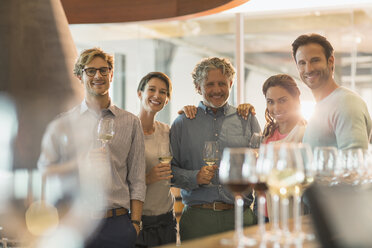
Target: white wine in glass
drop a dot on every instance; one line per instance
(165, 159)
(210, 152)
(105, 130)
(210, 161)
(165, 155)
(287, 173)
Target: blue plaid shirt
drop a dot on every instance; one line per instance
(187, 141)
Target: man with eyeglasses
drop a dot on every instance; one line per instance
(124, 153)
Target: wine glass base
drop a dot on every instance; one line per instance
(302, 236)
(239, 242)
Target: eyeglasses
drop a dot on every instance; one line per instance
(91, 71)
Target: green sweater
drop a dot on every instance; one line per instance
(340, 120)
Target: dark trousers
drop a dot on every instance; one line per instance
(199, 222)
(157, 230)
(114, 232)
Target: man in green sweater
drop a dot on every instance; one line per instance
(341, 117)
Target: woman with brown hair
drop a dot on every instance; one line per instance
(158, 219)
(284, 122)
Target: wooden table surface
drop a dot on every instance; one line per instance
(214, 241)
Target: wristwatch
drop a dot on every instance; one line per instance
(138, 223)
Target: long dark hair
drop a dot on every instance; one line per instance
(286, 82)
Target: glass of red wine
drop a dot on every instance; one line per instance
(238, 174)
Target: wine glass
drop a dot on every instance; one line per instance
(105, 130)
(325, 162)
(263, 168)
(286, 174)
(355, 165)
(211, 153)
(256, 140)
(309, 169)
(238, 173)
(268, 157)
(368, 166)
(165, 155)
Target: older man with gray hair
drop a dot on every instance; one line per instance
(209, 206)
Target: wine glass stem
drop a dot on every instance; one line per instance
(285, 204)
(239, 203)
(297, 212)
(261, 212)
(275, 200)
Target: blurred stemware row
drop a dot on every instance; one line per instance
(283, 171)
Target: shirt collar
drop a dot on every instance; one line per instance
(111, 109)
(226, 109)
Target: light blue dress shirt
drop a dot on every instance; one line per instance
(187, 141)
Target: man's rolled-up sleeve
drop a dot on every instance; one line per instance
(183, 178)
(136, 164)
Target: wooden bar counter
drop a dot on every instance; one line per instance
(213, 241)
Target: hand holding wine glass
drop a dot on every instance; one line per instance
(163, 170)
(210, 157)
(105, 130)
(210, 152)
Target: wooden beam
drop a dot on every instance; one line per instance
(110, 11)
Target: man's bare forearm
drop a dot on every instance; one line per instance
(136, 209)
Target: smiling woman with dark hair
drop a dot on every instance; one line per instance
(284, 122)
(158, 220)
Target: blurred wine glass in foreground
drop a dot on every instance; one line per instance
(238, 173)
(309, 169)
(52, 207)
(105, 130)
(325, 162)
(263, 168)
(287, 173)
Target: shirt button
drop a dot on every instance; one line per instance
(215, 119)
(216, 134)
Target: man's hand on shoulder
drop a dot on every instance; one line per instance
(189, 110)
(245, 109)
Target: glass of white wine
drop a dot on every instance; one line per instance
(211, 153)
(105, 130)
(287, 173)
(165, 155)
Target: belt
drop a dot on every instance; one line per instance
(110, 213)
(216, 206)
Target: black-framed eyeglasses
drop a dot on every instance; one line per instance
(91, 71)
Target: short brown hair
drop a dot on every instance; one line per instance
(162, 76)
(312, 38)
(88, 55)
